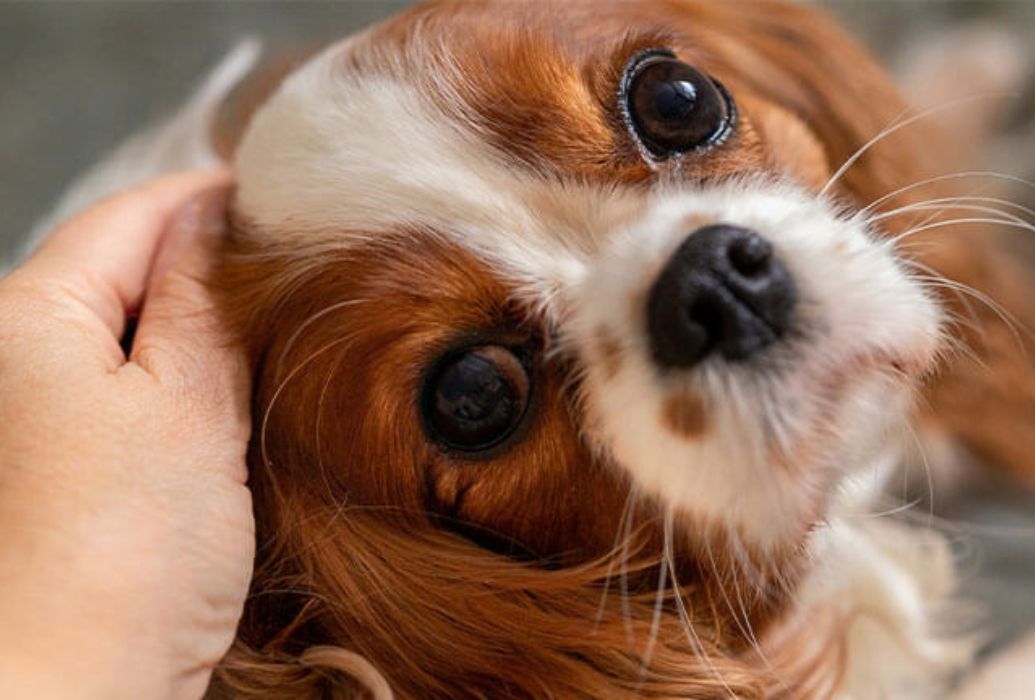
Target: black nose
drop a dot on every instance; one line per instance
(723, 290)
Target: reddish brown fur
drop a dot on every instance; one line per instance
(490, 579)
(377, 540)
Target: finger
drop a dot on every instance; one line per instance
(180, 337)
(100, 261)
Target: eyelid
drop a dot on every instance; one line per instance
(635, 62)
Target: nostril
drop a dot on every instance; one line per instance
(750, 255)
(706, 312)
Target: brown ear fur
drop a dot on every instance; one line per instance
(540, 633)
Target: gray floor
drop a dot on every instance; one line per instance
(76, 77)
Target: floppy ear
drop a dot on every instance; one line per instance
(983, 396)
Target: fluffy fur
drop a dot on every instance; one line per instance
(462, 174)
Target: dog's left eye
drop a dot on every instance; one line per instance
(673, 108)
(475, 399)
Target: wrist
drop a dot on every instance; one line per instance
(84, 675)
(78, 660)
(51, 647)
(62, 676)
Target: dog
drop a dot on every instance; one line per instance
(586, 338)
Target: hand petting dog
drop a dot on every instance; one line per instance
(128, 535)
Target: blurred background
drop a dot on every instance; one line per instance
(77, 77)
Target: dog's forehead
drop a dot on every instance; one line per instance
(539, 81)
(531, 79)
(338, 154)
(497, 124)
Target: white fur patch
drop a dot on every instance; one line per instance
(892, 584)
(334, 158)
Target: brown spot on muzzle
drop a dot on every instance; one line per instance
(684, 414)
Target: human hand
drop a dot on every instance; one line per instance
(126, 529)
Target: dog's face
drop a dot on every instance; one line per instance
(538, 276)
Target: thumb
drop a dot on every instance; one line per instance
(180, 338)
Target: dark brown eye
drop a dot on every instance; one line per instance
(476, 398)
(673, 108)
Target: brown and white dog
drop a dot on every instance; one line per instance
(585, 337)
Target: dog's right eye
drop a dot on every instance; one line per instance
(475, 399)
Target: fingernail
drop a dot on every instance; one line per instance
(204, 216)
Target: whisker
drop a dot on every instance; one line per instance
(897, 126)
(263, 430)
(887, 513)
(743, 625)
(949, 176)
(619, 548)
(1009, 320)
(688, 626)
(623, 582)
(937, 207)
(751, 571)
(972, 321)
(743, 619)
(963, 203)
(1001, 314)
(655, 622)
(318, 424)
(1015, 326)
(311, 320)
(953, 222)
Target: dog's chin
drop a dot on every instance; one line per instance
(756, 459)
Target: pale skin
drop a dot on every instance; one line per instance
(126, 528)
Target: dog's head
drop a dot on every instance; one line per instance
(551, 303)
